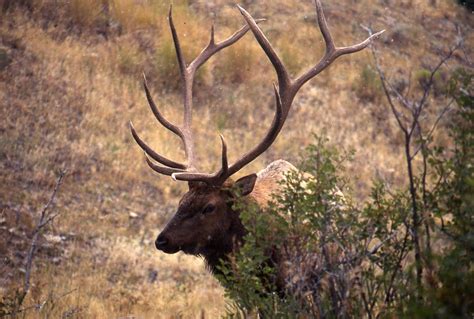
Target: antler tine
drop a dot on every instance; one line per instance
(323, 26)
(212, 48)
(332, 51)
(149, 151)
(224, 162)
(173, 128)
(282, 73)
(187, 80)
(161, 169)
(177, 46)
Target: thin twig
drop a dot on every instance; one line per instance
(437, 67)
(43, 221)
(39, 306)
(425, 140)
(386, 89)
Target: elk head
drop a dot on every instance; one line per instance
(205, 222)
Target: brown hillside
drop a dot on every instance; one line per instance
(70, 81)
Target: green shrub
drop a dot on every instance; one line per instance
(302, 256)
(453, 203)
(469, 4)
(368, 86)
(313, 253)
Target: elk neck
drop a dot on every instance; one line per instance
(219, 249)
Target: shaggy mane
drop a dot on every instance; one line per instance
(268, 181)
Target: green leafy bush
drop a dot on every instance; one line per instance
(313, 253)
(452, 202)
(469, 4)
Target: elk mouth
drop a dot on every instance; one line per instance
(168, 249)
(190, 249)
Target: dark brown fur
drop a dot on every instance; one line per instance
(205, 224)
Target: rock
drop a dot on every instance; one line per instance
(53, 238)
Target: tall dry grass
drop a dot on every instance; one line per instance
(67, 96)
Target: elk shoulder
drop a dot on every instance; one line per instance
(269, 181)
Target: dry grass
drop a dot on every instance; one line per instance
(67, 98)
(124, 277)
(85, 12)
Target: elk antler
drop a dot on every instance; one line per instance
(187, 73)
(287, 88)
(284, 95)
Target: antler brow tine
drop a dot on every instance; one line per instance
(149, 151)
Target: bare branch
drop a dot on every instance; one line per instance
(43, 221)
(282, 73)
(443, 60)
(385, 87)
(38, 306)
(433, 128)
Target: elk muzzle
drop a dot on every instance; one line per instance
(164, 244)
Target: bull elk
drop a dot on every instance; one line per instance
(206, 223)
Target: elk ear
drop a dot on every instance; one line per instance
(245, 184)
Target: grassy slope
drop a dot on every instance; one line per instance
(68, 94)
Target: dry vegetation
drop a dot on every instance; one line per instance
(70, 82)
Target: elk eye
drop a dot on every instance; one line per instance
(208, 209)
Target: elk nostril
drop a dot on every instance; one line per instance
(161, 242)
